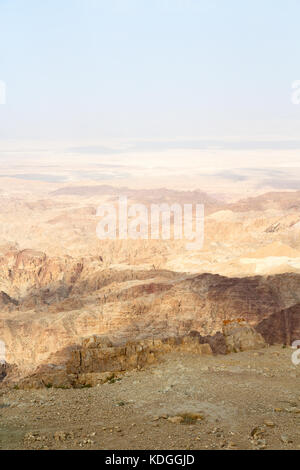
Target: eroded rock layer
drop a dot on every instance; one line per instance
(96, 360)
(49, 304)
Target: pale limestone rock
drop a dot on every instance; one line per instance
(240, 336)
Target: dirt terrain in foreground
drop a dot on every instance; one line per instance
(248, 400)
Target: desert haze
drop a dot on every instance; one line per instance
(149, 228)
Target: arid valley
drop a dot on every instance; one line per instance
(115, 344)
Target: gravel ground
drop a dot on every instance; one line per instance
(249, 400)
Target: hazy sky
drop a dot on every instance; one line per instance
(149, 69)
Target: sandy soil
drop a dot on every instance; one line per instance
(249, 400)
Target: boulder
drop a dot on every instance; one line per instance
(240, 336)
(93, 379)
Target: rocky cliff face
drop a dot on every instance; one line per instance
(239, 336)
(49, 304)
(282, 327)
(97, 359)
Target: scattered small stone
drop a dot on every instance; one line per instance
(285, 439)
(62, 436)
(216, 431)
(176, 419)
(257, 432)
(191, 418)
(86, 442)
(269, 424)
(32, 436)
(231, 445)
(261, 444)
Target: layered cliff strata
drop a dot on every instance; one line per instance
(96, 360)
(49, 304)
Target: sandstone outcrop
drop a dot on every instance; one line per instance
(239, 336)
(98, 355)
(97, 360)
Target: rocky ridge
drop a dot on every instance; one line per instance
(49, 304)
(97, 361)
